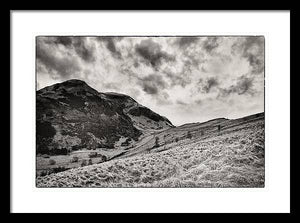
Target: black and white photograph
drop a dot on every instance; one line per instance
(146, 111)
(150, 111)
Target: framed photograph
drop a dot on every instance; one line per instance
(149, 111)
(203, 125)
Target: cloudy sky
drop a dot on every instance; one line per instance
(186, 79)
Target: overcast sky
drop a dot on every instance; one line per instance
(186, 79)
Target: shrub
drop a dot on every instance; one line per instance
(52, 162)
(176, 139)
(156, 141)
(219, 127)
(43, 173)
(93, 154)
(59, 169)
(83, 163)
(76, 147)
(74, 159)
(189, 135)
(90, 162)
(126, 143)
(104, 158)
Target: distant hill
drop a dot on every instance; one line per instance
(72, 115)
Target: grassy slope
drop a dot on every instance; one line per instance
(233, 157)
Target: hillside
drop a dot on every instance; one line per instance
(191, 155)
(71, 116)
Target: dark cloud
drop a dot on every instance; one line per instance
(252, 48)
(56, 66)
(63, 40)
(150, 88)
(77, 43)
(180, 77)
(152, 84)
(256, 62)
(87, 53)
(210, 44)
(244, 85)
(152, 53)
(185, 42)
(210, 83)
(254, 56)
(111, 46)
(205, 86)
(192, 59)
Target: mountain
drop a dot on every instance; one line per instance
(72, 115)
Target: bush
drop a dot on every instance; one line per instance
(52, 162)
(90, 162)
(93, 154)
(110, 146)
(43, 173)
(104, 158)
(176, 139)
(83, 163)
(156, 141)
(189, 135)
(74, 159)
(59, 169)
(126, 143)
